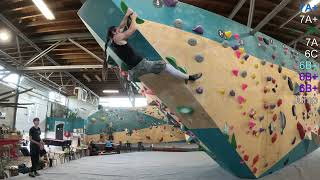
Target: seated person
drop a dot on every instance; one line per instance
(109, 146)
(93, 149)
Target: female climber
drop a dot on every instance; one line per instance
(138, 66)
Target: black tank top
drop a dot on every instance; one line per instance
(127, 54)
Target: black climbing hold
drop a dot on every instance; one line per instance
(294, 140)
(279, 69)
(274, 90)
(246, 57)
(199, 58)
(270, 129)
(293, 108)
(290, 84)
(261, 118)
(244, 74)
(232, 93)
(221, 34)
(272, 106)
(263, 62)
(192, 42)
(283, 121)
(286, 162)
(269, 78)
(235, 47)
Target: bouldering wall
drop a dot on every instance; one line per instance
(69, 123)
(244, 109)
(147, 125)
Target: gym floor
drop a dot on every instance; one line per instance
(164, 166)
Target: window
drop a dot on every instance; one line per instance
(122, 102)
(57, 97)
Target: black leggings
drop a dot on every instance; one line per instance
(35, 155)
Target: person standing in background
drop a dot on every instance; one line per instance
(36, 145)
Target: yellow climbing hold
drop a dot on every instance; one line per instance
(242, 61)
(256, 66)
(222, 91)
(228, 34)
(241, 50)
(257, 83)
(253, 76)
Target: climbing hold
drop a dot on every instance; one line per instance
(225, 44)
(251, 124)
(256, 66)
(272, 106)
(253, 76)
(233, 141)
(244, 74)
(260, 38)
(261, 118)
(257, 83)
(199, 90)
(238, 54)
(266, 41)
(263, 63)
(279, 102)
(244, 87)
(255, 160)
(274, 138)
(284, 77)
(283, 121)
(241, 61)
(236, 36)
(246, 157)
(290, 84)
(199, 58)
(280, 69)
(198, 29)
(241, 50)
(246, 57)
(232, 93)
(235, 47)
(293, 141)
(269, 78)
(274, 117)
(274, 47)
(235, 72)
(308, 106)
(170, 3)
(293, 108)
(273, 81)
(273, 56)
(241, 99)
(228, 34)
(252, 113)
(222, 91)
(184, 110)
(266, 106)
(271, 65)
(271, 128)
(301, 130)
(192, 42)
(296, 90)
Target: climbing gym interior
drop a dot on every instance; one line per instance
(159, 89)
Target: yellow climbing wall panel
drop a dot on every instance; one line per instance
(218, 80)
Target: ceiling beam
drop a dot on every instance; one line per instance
(237, 8)
(251, 10)
(60, 68)
(273, 13)
(18, 32)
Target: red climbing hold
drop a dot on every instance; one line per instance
(241, 99)
(246, 157)
(265, 106)
(271, 65)
(274, 138)
(319, 132)
(301, 130)
(244, 86)
(254, 170)
(235, 72)
(274, 117)
(255, 160)
(279, 103)
(239, 146)
(273, 81)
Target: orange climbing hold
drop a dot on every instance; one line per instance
(255, 160)
(274, 138)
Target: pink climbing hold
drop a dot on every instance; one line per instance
(198, 29)
(235, 72)
(236, 36)
(238, 54)
(260, 38)
(241, 99)
(244, 86)
(251, 124)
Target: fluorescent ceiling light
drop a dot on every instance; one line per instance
(110, 91)
(44, 9)
(122, 102)
(4, 35)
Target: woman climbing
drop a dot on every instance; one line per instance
(138, 66)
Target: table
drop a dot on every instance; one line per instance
(13, 143)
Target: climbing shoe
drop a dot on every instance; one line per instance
(195, 77)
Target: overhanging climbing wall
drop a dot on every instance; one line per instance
(243, 110)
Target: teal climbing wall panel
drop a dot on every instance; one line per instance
(69, 124)
(120, 119)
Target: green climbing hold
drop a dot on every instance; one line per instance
(233, 141)
(185, 110)
(172, 61)
(124, 8)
